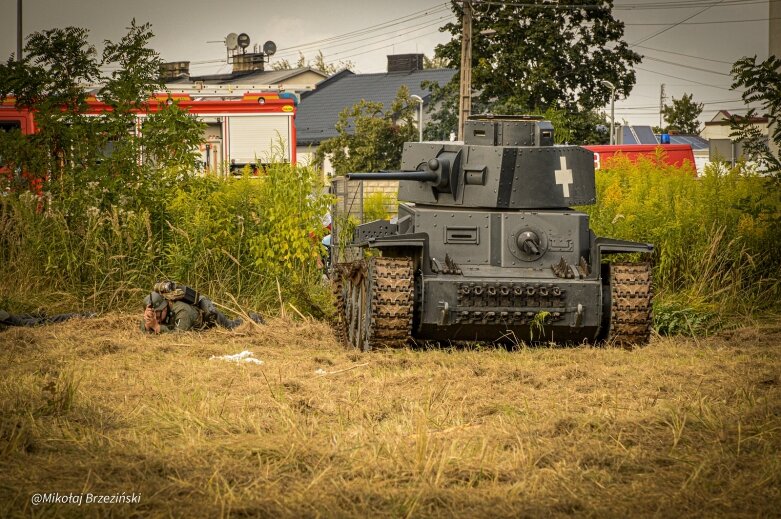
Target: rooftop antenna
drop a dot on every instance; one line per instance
(243, 41)
(232, 41)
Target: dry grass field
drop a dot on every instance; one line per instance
(680, 428)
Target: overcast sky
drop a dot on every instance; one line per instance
(691, 57)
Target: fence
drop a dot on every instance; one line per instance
(350, 197)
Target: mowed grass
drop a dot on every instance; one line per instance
(681, 427)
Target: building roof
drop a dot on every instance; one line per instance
(319, 110)
(263, 77)
(638, 135)
(695, 141)
(722, 118)
(645, 135)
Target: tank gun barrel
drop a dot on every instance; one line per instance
(440, 172)
(421, 176)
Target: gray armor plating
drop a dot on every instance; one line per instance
(497, 250)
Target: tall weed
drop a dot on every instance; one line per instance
(716, 237)
(235, 239)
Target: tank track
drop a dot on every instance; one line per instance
(374, 301)
(630, 307)
(392, 283)
(338, 275)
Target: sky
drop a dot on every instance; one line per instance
(688, 45)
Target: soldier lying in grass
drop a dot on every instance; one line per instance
(171, 307)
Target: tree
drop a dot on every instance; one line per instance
(370, 137)
(69, 148)
(682, 115)
(284, 64)
(319, 63)
(57, 62)
(528, 57)
(762, 84)
(434, 62)
(443, 110)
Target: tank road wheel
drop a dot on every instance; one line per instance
(375, 307)
(630, 304)
(354, 291)
(338, 275)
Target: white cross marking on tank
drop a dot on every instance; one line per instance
(564, 176)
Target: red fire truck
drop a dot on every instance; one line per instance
(242, 127)
(673, 154)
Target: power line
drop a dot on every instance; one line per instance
(372, 37)
(654, 35)
(705, 23)
(435, 9)
(629, 7)
(710, 110)
(685, 55)
(683, 79)
(648, 107)
(354, 35)
(687, 5)
(339, 54)
(690, 67)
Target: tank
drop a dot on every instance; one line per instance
(487, 247)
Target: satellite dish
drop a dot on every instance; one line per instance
(243, 40)
(232, 41)
(269, 48)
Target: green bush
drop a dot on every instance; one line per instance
(375, 206)
(246, 238)
(716, 237)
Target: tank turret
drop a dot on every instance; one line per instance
(487, 246)
(504, 162)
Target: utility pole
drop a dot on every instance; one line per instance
(465, 97)
(612, 110)
(662, 99)
(19, 30)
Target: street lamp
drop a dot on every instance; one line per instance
(420, 117)
(612, 110)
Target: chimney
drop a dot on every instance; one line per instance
(248, 62)
(405, 62)
(174, 70)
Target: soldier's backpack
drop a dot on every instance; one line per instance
(175, 292)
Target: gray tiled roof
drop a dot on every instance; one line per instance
(319, 110)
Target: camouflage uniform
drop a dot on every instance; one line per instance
(184, 315)
(181, 317)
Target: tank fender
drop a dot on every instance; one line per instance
(611, 246)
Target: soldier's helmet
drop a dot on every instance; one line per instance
(157, 301)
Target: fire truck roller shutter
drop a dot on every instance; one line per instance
(258, 137)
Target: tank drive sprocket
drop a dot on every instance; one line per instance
(375, 307)
(631, 295)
